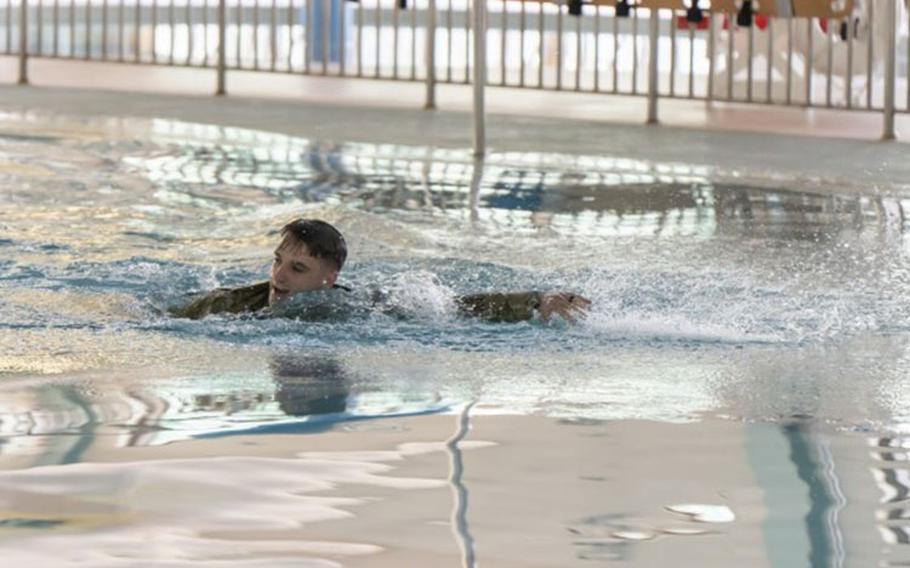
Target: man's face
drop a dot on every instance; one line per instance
(294, 270)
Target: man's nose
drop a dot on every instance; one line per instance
(279, 273)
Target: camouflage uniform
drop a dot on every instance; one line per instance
(497, 306)
(512, 307)
(226, 300)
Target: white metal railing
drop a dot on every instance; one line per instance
(855, 58)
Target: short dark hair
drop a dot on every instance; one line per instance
(322, 240)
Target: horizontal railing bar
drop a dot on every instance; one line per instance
(460, 18)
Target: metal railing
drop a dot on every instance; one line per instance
(856, 58)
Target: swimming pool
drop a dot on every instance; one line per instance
(745, 356)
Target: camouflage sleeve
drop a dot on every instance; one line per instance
(214, 302)
(500, 307)
(225, 300)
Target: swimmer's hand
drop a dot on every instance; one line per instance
(523, 306)
(571, 307)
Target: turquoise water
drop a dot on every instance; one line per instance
(712, 299)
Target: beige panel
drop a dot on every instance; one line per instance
(764, 8)
(663, 4)
(724, 6)
(822, 9)
(586, 3)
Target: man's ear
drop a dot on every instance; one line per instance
(330, 278)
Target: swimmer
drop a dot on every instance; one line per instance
(310, 256)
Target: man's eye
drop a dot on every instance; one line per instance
(276, 260)
(299, 269)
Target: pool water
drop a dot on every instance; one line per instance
(736, 394)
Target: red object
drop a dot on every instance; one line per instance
(683, 24)
(758, 20)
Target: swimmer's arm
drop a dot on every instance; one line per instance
(214, 302)
(225, 300)
(522, 306)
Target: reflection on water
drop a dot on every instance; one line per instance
(309, 385)
(893, 480)
(58, 422)
(578, 195)
(812, 458)
(459, 490)
(730, 300)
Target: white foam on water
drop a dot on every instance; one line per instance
(420, 294)
(674, 328)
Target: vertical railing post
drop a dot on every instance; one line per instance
(23, 43)
(430, 102)
(653, 36)
(890, 71)
(220, 89)
(480, 75)
(711, 53)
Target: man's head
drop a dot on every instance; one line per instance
(308, 257)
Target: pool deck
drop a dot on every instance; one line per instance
(831, 150)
